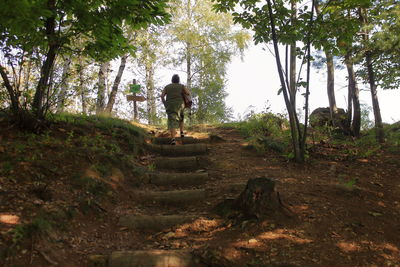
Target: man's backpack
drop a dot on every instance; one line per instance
(187, 99)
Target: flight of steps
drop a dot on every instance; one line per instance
(178, 180)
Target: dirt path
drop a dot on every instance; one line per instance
(347, 212)
(337, 224)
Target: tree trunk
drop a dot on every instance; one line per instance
(380, 135)
(11, 92)
(82, 86)
(188, 67)
(188, 50)
(101, 87)
(349, 105)
(64, 85)
(26, 80)
(299, 157)
(38, 100)
(117, 81)
(48, 63)
(331, 85)
(302, 141)
(330, 77)
(135, 106)
(292, 76)
(151, 103)
(353, 88)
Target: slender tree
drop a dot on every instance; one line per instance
(64, 85)
(273, 23)
(101, 88)
(380, 135)
(115, 86)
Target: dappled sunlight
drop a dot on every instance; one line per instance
(348, 246)
(387, 250)
(250, 243)
(93, 174)
(284, 234)
(232, 254)
(301, 208)
(390, 247)
(199, 225)
(8, 218)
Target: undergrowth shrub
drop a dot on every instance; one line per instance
(39, 226)
(265, 131)
(367, 145)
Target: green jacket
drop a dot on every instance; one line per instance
(174, 94)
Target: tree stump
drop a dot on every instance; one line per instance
(259, 198)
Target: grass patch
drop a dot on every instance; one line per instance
(264, 131)
(88, 184)
(38, 227)
(101, 122)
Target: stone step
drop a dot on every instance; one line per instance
(181, 163)
(185, 140)
(154, 223)
(178, 178)
(175, 197)
(178, 150)
(146, 258)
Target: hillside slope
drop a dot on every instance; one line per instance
(64, 191)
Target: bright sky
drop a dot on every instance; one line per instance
(255, 81)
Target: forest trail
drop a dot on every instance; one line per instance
(337, 223)
(178, 181)
(347, 209)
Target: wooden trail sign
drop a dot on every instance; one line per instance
(137, 98)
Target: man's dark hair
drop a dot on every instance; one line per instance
(175, 78)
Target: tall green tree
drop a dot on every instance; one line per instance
(204, 44)
(336, 34)
(150, 56)
(384, 43)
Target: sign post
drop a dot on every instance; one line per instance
(134, 88)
